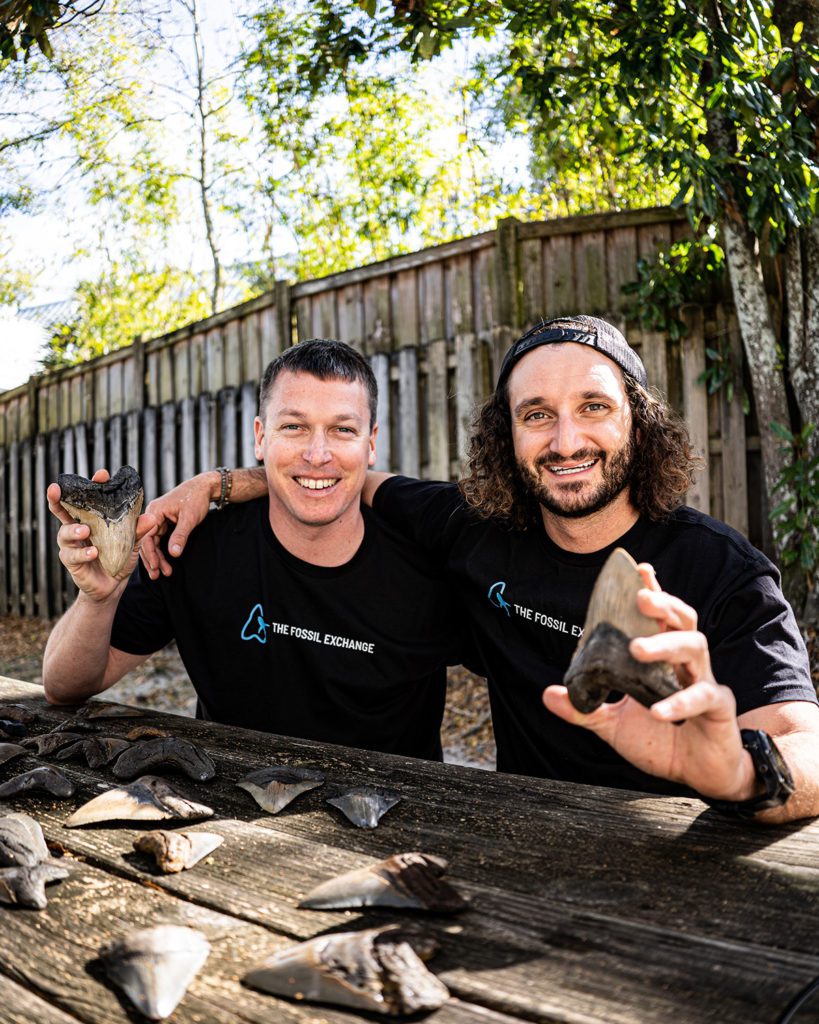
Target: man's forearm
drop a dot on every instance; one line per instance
(76, 659)
(801, 753)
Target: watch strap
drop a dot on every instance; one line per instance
(771, 770)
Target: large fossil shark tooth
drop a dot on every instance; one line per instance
(167, 751)
(602, 661)
(148, 799)
(17, 713)
(96, 750)
(411, 881)
(50, 742)
(176, 851)
(22, 843)
(274, 787)
(376, 970)
(365, 806)
(110, 509)
(155, 966)
(25, 886)
(8, 751)
(42, 778)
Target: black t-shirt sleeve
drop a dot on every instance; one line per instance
(142, 624)
(428, 512)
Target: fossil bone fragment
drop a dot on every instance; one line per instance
(155, 966)
(148, 799)
(376, 970)
(50, 742)
(365, 806)
(602, 661)
(411, 881)
(176, 851)
(96, 750)
(168, 751)
(110, 509)
(273, 788)
(8, 751)
(22, 843)
(42, 778)
(25, 886)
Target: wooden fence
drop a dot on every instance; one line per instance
(434, 325)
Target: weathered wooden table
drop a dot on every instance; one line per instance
(586, 904)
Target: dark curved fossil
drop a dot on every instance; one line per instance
(42, 778)
(50, 742)
(148, 799)
(274, 787)
(365, 806)
(25, 886)
(97, 751)
(110, 509)
(168, 751)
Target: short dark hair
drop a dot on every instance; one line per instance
(325, 359)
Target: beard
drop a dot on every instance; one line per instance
(566, 499)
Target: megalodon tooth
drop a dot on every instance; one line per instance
(164, 751)
(377, 970)
(274, 787)
(602, 662)
(50, 742)
(155, 966)
(42, 778)
(8, 751)
(365, 806)
(176, 851)
(411, 881)
(110, 509)
(148, 799)
(25, 886)
(22, 843)
(97, 751)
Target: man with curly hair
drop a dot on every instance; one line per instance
(571, 457)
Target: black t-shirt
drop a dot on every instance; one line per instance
(526, 600)
(354, 654)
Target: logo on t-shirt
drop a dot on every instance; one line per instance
(496, 597)
(255, 628)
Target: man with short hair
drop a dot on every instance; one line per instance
(572, 457)
(278, 606)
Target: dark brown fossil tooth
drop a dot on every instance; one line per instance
(365, 806)
(602, 662)
(8, 751)
(17, 713)
(22, 843)
(144, 732)
(110, 509)
(176, 851)
(407, 880)
(148, 799)
(42, 778)
(147, 755)
(25, 886)
(274, 787)
(155, 966)
(378, 970)
(50, 742)
(95, 750)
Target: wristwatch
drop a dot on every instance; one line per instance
(772, 772)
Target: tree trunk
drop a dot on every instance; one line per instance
(802, 298)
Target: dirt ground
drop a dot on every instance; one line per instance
(161, 683)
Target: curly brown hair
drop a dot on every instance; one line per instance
(663, 468)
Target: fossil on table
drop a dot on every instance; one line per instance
(50, 742)
(25, 886)
(8, 751)
(165, 751)
(147, 799)
(176, 851)
(22, 843)
(42, 778)
(109, 509)
(97, 751)
(274, 787)
(12, 728)
(16, 713)
(365, 806)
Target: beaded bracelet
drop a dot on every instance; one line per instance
(226, 486)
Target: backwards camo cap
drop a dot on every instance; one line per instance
(584, 330)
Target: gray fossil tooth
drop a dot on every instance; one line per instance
(8, 751)
(273, 788)
(111, 511)
(155, 966)
(17, 713)
(95, 750)
(22, 843)
(407, 880)
(376, 970)
(50, 742)
(148, 799)
(168, 751)
(176, 851)
(25, 886)
(602, 662)
(365, 806)
(42, 778)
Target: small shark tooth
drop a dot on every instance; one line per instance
(602, 661)
(25, 886)
(110, 509)
(155, 966)
(169, 751)
(148, 799)
(378, 970)
(22, 843)
(48, 779)
(365, 806)
(273, 788)
(176, 851)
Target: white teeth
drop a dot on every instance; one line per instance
(567, 471)
(315, 485)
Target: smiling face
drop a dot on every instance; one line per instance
(316, 443)
(571, 429)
